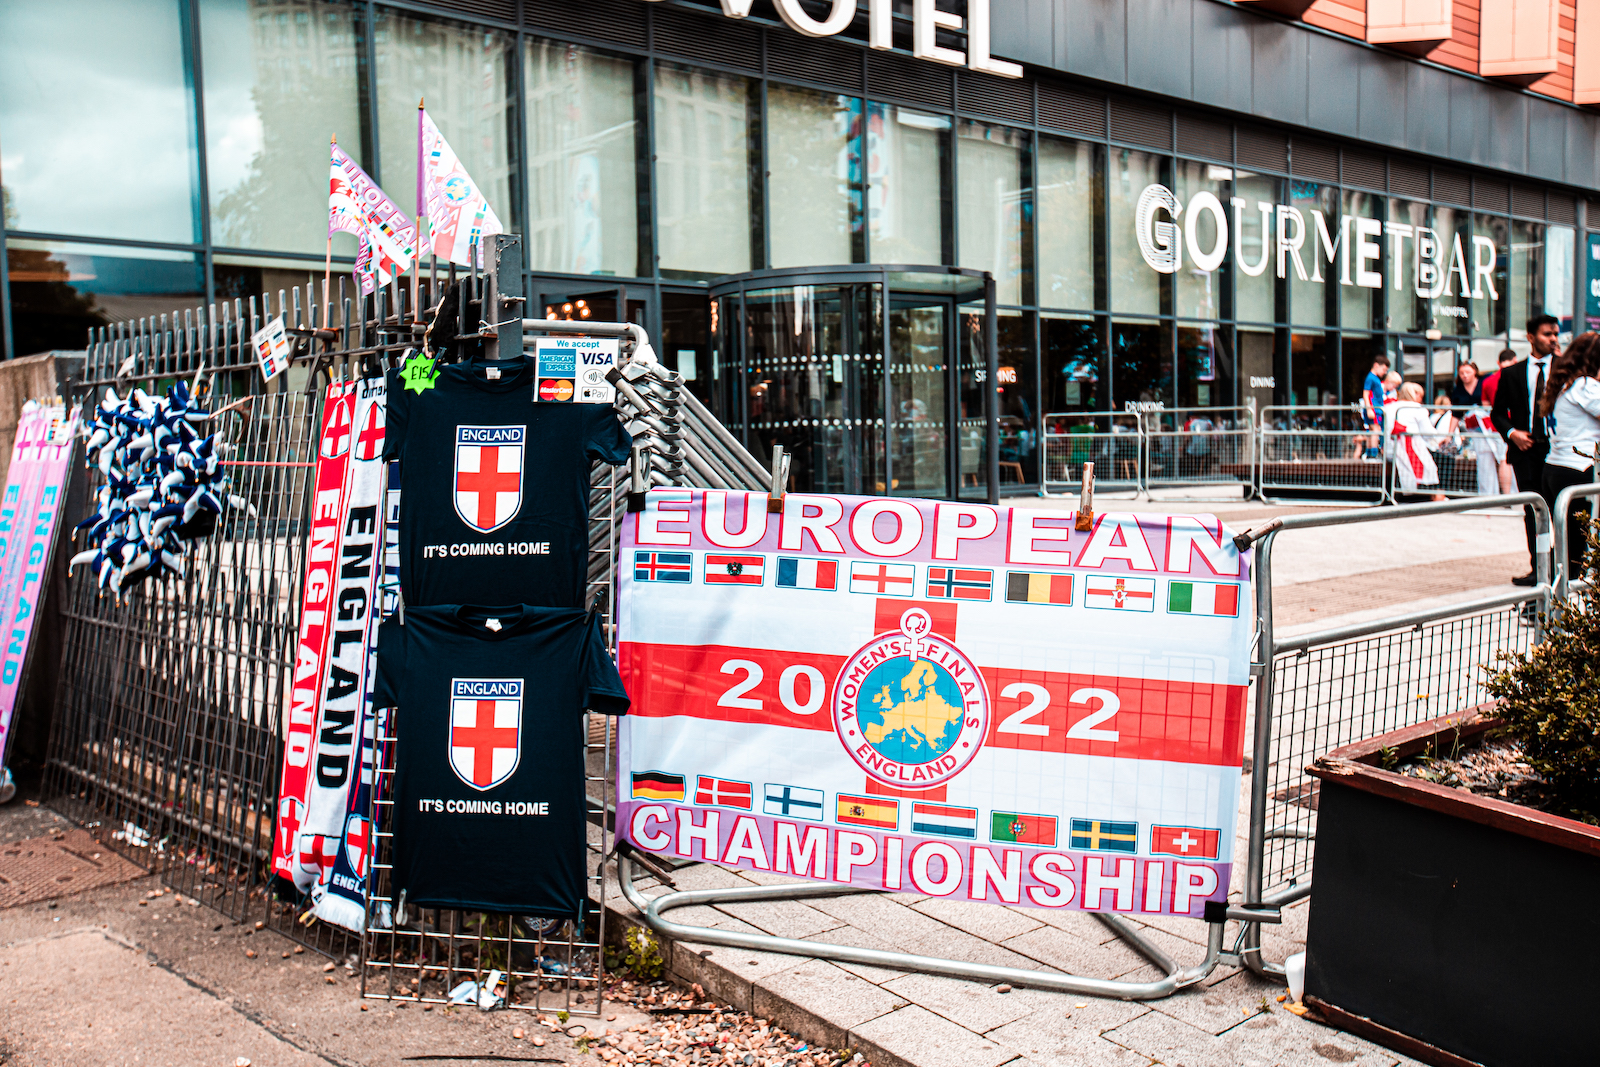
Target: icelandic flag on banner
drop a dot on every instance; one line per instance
(386, 237)
(459, 216)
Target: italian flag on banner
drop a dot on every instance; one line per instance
(1203, 598)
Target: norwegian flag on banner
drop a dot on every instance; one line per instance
(906, 728)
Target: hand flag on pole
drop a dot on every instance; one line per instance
(459, 217)
(386, 235)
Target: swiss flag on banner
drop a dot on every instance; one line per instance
(1192, 841)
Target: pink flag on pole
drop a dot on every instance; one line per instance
(387, 237)
(29, 510)
(459, 215)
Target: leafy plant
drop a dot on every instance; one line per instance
(1388, 758)
(1550, 699)
(640, 953)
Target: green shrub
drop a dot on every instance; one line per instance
(640, 955)
(1550, 700)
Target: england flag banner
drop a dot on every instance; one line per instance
(935, 697)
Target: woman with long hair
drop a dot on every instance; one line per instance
(1467, 391)
(1571, 402)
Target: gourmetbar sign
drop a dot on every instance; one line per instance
(935, 697)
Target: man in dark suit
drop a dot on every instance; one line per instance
(1528, 435)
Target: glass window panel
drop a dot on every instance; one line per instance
(1199, 292)
(919, 372)
(1489, 265)
(1313, 370)
(704, 125)
(1134, 286)
(465, 76)
(814, 188)
(1141, 363)
(1451, 309)
(1560, 248)
(96, 120)
(1357, 351)
(908, 195)
(1527, 273)
(278, 81)
(61, 291)
(1205, 365)
(1073, 359)
(1308, 297)
(1069, 205)
(1406, 310)
(1257, 379)
(996, 206)
(1358, 304)
(583, 185)
(1017, 389)
(1255, 298)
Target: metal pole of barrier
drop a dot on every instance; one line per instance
(1558, 534)
(1175, 978)
(1269, 647)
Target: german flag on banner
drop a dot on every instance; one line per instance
(655, 785)
(868, 811)
(1028, 587)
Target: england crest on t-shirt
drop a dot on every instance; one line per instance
(488, 475)
(485, 729)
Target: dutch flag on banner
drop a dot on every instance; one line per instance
(944, 820)
(799, 573)
(1203, 598)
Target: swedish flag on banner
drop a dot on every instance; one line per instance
(1103, 835)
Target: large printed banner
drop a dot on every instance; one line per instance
(943, 698)
(29, 513)
(323, 841)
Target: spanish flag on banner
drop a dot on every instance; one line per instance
(1028, 587)
(868, 811)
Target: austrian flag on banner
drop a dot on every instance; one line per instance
(914, 722)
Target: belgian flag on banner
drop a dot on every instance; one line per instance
(1029, 587)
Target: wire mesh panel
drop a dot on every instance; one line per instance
(1320, 449)
(1113, 443)
(1334, 695)
(1454, 459)
(1187, 447)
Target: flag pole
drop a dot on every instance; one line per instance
(422, 209)
(327, 263)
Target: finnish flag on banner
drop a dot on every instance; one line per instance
(791, 801)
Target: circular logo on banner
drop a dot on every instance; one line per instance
(457, 190)
(910, 707)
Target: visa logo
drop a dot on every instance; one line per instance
(596, 358)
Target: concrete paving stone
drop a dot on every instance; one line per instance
(1193, 931)
(916, 1037)
(956, 945)
(1275, 1039)
(1065, 1035)
(1072, 954)
(978, 1006)
(706, 876)
(854, 938)
(783, 918)
(820, 1000)
(768, 878)
(1221, 1006)
(988, 921)
(883, 916)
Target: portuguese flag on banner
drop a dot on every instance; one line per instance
(1023, 829)
(1203, 598)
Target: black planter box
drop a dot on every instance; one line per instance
(1455, 928)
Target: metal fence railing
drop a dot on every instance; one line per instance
(1318, 691)
(1319, 449)
(1152, 448)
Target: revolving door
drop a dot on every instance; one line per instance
(872, 378)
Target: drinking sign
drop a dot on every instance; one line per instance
(933, 697)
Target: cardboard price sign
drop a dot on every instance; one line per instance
(932, 697)
(272, 348)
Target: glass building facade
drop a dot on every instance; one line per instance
(157, 154)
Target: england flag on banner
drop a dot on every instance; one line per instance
(459, 216)
(925, 735)
(386, 238)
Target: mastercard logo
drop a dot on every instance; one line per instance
(555, 389)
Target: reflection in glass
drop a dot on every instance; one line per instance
(1490, 266)
(1357, 351)
(704, 128)
(583, 201)
(1313, 370)
(814, 188)
(1072, 359)
(686, 340)
(908, 198)
(278, 82)
(1141, 363)
(1134, 286)
(1308, 299)
(1358, 305)
(1560, 247)
(1407, 311)
(1019, 417)
(1450, 310)
(465, 75)
(1255, 275)
(1205, 366)
(1257, 379)
(996, 206)
(1069, 206)
(96, 120)
(1199, 292)
(1527, 273)
(918, 370)
(61, 291)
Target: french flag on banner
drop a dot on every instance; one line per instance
(798, 573)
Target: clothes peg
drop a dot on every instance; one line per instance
(1085, 520)
(780, 480)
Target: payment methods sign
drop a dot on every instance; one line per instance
(932, 697)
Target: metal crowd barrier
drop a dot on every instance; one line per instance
(1319, 449)
(1161, 448)
(1317, 691)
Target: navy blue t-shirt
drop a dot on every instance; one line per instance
(496, 499)
(489, 753)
